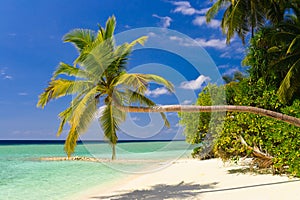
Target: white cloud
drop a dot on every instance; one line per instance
(223, 66)
(184, 41)
(135, 119)
(157, 92)
(4, 75)
(230, 71)
(165, 21)
(185, 8)
(186, 102)
(213, 43)
(194, 84)
(7, 77)
(151, 34)
(22, 94)
(201, 21)
(127, 26)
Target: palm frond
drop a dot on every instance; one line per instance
(110, 27)
(82, 105)
(110, 121)
(64, 117)
(295, 44)
(121, 54)
(71, 141)
(80, 115)
(80, 38)
(62, 87)
(69, 70)
(290, 83)
(216, 7)
(97, 59)
(140, 81)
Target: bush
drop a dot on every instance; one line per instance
(277, 140)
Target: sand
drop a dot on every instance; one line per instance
(205, 180)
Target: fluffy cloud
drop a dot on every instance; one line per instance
(213, 43)
(185, 8)
(22, 94)
(194, 84)
(230, 71)
(186, 102)
(4, 75)
(157, 92)
(201, 21)
(165, 21)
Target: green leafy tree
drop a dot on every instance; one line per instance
(244, 16)
(286, 43)
(274, 56)
(240, 16)
(100, 79)
(270, 142)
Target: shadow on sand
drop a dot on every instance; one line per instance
(162, 191)
(180, 191)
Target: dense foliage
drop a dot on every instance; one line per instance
(276, 140)
(273, 58)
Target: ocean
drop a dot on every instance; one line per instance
(24, 176)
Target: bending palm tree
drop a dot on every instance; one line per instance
(100, 76)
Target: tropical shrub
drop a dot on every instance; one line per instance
(270, 142)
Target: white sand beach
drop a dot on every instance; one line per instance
(194, 179)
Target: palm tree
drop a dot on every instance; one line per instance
(100, 77)
(244, 16)
(286, 43)
(240, 16)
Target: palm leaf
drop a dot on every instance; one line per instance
(62, 87)
(64, 117)
(97, 59)
(110, 121)
(71, 141)
(69, 70)
(294, 45)
(140, 81)
(83, 105)
(80, 38)
(110, 27)
(290, 83)
(211, 13)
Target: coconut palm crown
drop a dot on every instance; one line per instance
(98, 77)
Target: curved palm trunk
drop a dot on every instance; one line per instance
(222, 108)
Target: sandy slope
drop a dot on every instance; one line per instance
(193, 179)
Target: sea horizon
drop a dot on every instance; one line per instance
(24, 175)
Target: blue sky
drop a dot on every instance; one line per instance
(31, 47)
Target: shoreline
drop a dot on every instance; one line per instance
(194, 179)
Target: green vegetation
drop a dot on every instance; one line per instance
(272, 143)
(101, 78)
(273, 84)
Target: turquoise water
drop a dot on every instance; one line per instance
(24, 176)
